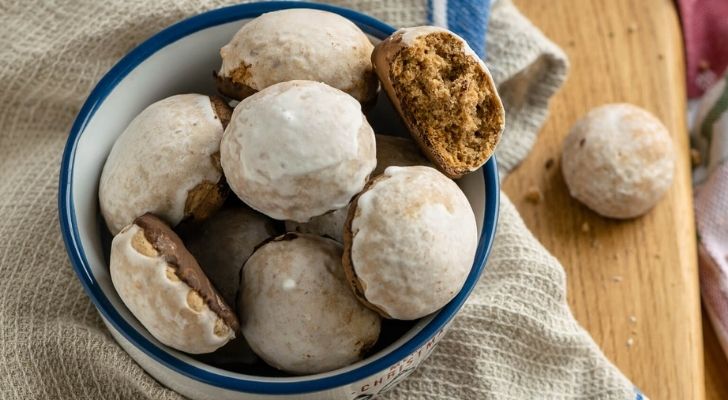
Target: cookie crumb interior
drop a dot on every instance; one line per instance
(445, 94)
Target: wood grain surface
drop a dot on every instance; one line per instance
(632, 284)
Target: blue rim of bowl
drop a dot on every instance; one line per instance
(71, 237)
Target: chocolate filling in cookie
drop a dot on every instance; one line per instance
(174, 252)
(232, 86)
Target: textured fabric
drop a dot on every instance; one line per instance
(710, 135)
(515, 339)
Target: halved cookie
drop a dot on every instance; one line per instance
(445, 95)
(166, 290)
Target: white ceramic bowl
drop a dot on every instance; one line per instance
(180, 59)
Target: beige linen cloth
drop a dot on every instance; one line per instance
(515, 339)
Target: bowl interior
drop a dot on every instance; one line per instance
(183, 62)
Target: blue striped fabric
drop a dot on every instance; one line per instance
(467, 18)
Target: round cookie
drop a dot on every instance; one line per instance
(235, 353)
(618, 160)
(399, 152)
(445, 95)
(297, 311)
(409, 242)
(391, 150)
(163, 286)
(224, 242)
(166, 162)
(298, 44)
(330, 225)
(297, 149)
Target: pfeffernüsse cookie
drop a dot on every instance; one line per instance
(298, 44)
(409, 242)
(297, 311)
(166, 290)
(166, 162)
(298, 149)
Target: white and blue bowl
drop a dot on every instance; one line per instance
(180, 59)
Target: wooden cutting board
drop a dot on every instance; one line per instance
(632, 284)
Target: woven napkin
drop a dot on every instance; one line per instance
(710, 177)
(515, 339)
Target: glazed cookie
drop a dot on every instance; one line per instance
(391, 150)
(166, 290)
(298, 149)
(618, 160)
(409, 242)
(297, 311)
(445, 95)
(224, 242)
(166, 162)
(298, 44)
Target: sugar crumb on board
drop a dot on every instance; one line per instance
(534, 195)
(695, 157)
(585, 227)
(617, 278)
(630, 342)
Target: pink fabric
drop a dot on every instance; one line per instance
(705, 28)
